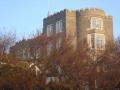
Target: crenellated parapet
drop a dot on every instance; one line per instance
(55, 14)
(82, 12)
(62, 13)
(92, 11)
(109, 17)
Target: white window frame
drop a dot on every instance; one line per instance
(100, 37)
(96, 21)
(49, 30)
(58, 43)
(94, 42)
(59, 26)
(49, 48)
(89, 40)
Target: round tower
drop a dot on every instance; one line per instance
(94, 27)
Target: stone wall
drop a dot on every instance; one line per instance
(77, 23)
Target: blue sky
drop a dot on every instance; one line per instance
(25, 16)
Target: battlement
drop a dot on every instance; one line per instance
(82, 12)
(92, 11)
(109, 17)
(55, 14)
(62, 12)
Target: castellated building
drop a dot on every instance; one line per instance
(91, 25)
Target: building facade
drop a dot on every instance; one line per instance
(91, 25)
(86, 25)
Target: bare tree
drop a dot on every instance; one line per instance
(7, 39)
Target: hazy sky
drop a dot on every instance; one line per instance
(25, 16)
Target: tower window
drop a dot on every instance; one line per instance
(96, 41)
(96, 23)
(100, 41)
